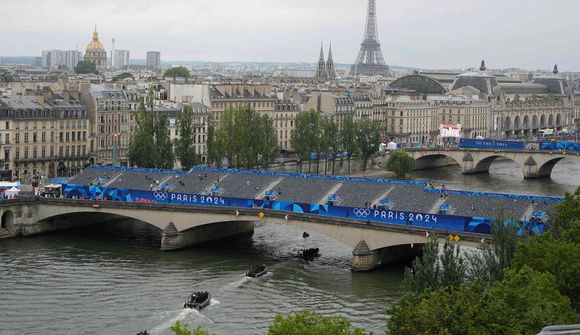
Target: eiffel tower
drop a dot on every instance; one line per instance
(370, 59)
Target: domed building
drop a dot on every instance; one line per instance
(96, 52)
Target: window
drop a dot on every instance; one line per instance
(52, 136)
(17, 154)
(17, 124)
(43, 138)
(6, 138)
(34, 137)
(25, 152)
(7, 125)
(43, 152)
(25, 137)
(34, 152)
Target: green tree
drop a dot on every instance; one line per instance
(368, 138)
(329, 142)
(348, 135)
(213, 155)
(432, 270)
(142, 150)
(183, 145)
(488, 265)
(163, 145)
(246, 138)
(183, 329)
(560, 258)
(175, 72)
(522, 303)
(300, 138)
(565, 221)
(308, 322)
(306, 138)
(85, 67)
(124, 75)
(269, 145)
(401, 163)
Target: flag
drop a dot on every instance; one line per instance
(236, 212)
(287, 217)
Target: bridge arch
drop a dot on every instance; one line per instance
(546, 169)
(434, 160)
(484, 164)
(7, 219)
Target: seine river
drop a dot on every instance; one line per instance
(112, 279)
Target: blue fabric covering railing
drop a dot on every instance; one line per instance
(426, 220)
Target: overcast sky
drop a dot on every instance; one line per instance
(532, 34)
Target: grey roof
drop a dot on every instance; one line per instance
(482, 81)
(419, 83)
(214, 93)
(25, 102)
(523, 88)
(107, 92)
(554, 84)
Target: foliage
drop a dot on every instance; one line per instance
(306, 136)
(565, 222)
(368, 138)
(522, 303)
(559, 258)
(308, 322)
(124, 75)
(183, 329)
(329, 142)
(213, 156)
(348, 139)
(488, 265)
(432, 271)
(401, 163)
(175, 72)
(151, 145)
(246, 138)
(183, 144)
(142, 151)
(165, 155)
(84, 67)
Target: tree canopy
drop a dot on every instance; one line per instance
(368, 138)
(183, 144)
(177, 72)
(246, 138)
(401, 163)
(308, 322)
(84, 67)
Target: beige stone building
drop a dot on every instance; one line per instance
(285, 123)
(44, 134)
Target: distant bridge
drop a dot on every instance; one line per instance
(534, 164)
(183, 226)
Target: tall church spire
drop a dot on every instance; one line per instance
(482, 66)
(331, 73)
(555, 69)
(321, 73)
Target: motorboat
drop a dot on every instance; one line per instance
(309, 254)
(198, 300)
(143, 332)
(257, 271)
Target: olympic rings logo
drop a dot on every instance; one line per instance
(160, 196)
(362, 212)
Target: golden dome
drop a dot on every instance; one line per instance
(95, 45)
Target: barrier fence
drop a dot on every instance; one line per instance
(426, 220)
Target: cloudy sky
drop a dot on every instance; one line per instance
(532, 34)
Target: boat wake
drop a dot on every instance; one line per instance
(214, 302)
(237, 283)
(186, 314)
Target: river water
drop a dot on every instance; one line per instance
(112, 279)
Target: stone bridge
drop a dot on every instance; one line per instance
(534, 164)
(183, 226)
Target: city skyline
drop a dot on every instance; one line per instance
(280, 32)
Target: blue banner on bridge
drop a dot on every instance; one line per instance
(471, 143)
(427, 220)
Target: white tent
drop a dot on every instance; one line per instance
(11, 193)
(8, 184)
(392, 146)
